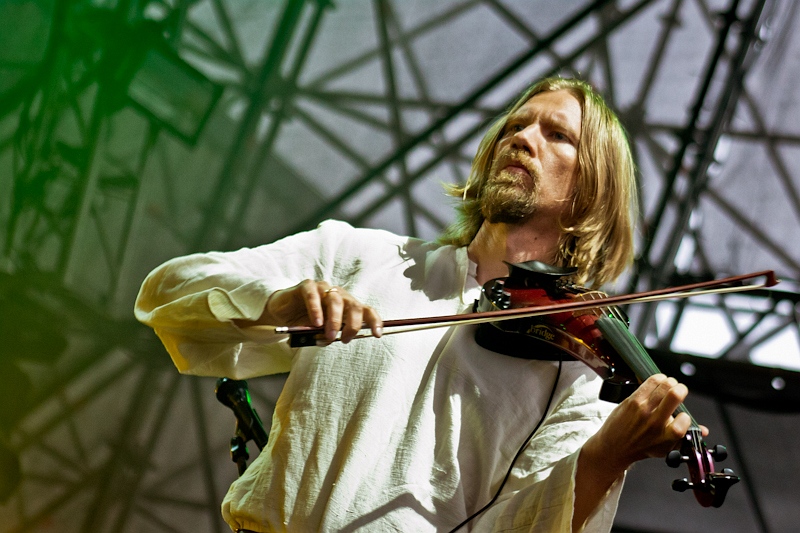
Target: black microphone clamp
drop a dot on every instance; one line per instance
(235, 395)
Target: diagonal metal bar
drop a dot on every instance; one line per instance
(724, 109)
(340, 106)
(422, 88)
(270, 69)
(30, 84)
(155, 490)
(780, 165)
(113, 472)
(669, 23)
(768, 136)
(156, 520)
(744, 466)
(777, 248)
(215, 52)
(424, 103)
(285, 104)
(742, 349)
(230, 31)
(30, 522)
(395, 120)
(205, 453)
(370, 55)
(129, 216)
(514, 21)
(86, 185)
(330, 136)
(161, 411)
(604, 57)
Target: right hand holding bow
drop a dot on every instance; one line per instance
(319, 304)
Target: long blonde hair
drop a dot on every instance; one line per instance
(597, 233)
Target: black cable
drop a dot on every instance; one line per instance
(514, 460)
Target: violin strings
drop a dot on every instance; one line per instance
(614, 326)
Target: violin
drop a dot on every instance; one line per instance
(538, 313)
(600, 338)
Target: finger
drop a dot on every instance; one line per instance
(333, 303)
(647, 387)
(670, 401)
(353, 318)
(662, 389)
(373, 321)
(311, 296)
(678, 427)
(642, 397)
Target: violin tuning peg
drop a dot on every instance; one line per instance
(505, 301)
(681, 485)
(719, 452)
(496, 288)
(499, 296)
(674, 459)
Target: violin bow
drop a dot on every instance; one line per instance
(312, 336)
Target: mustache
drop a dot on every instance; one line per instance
(517, 157)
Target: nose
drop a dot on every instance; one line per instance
(527, 139)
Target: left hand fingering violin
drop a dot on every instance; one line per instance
(537, 312)
(709, 487)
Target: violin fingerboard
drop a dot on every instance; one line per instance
(627, 346)
(631, 351)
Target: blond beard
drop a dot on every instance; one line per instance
(507, 197)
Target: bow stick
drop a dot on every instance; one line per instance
(308, 335)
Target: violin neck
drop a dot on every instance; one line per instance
(632, 352)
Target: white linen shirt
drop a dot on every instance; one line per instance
(411, 432)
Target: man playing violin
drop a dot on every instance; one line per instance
(426, 430)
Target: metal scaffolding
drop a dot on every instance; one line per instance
(136, 131)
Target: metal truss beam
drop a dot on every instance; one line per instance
(266, 88)
(698, 141)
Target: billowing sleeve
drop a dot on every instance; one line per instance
(539, 495)
(191, 301)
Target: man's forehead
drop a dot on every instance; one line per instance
(560, 105)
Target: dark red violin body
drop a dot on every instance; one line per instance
(564, 336)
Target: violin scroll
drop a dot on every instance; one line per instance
(709, 487)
